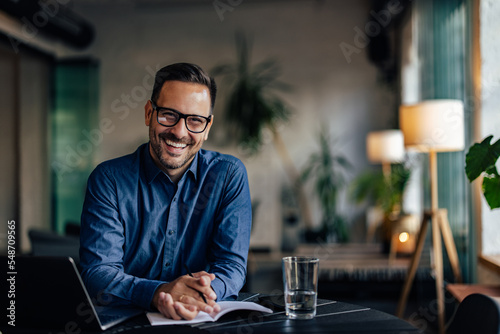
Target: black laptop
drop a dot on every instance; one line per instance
(49, 293)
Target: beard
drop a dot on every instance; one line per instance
(166, 159)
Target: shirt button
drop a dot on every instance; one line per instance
(171, 232)
(175, 199)
(167, 264)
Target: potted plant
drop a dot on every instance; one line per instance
(253, 104)
(386, 192)
(480, 160)
(329, 171)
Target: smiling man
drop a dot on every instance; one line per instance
(169, 206)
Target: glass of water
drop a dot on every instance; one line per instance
(300, 279)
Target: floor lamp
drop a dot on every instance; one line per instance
(433, 126)
(384, 147)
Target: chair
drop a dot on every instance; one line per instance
(48, 243)
(477, 313)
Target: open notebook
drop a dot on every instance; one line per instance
(226, 307)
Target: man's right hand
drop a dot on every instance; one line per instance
(180, 299)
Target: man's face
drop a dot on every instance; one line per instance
(173, 148)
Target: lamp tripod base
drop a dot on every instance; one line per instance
(440, 227)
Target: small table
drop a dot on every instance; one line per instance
(331, 317)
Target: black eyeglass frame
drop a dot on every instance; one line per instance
(181, 116)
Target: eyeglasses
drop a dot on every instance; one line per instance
(170, 117)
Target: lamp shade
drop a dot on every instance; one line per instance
(385, 146)
(433, 125)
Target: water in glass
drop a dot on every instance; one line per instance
(300, 304)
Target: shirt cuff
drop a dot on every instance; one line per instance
(144, 292)
(219, 287)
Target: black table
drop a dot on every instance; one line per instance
(332, 317)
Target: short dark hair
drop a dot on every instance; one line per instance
(184, 72)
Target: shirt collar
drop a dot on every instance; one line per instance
(152, 170)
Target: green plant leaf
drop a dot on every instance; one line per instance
(481, 157)
(367, 186)
(386, 192)
(491, 188)
(344, 162)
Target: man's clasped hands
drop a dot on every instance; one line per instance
(181, 298)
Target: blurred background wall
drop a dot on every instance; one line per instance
(322, 48)
(135, 39)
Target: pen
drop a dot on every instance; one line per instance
(190, 274)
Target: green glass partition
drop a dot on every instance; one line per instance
(74, 117)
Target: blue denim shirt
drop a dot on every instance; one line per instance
(139, 228)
